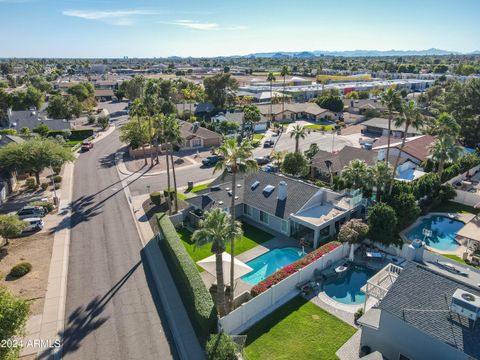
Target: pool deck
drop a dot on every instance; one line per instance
(463, 217)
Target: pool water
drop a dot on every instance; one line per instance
(443, 230)
(270, 262)
(345, 287)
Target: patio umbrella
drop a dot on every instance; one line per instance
(240, 268)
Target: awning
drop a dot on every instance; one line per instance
(240, 268)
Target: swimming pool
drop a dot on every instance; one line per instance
(345, 287)
(443, 231)
(270, 262)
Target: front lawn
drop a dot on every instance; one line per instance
(258, 136)
(297, 330)
(453, 207)
(252, 237)
(198, 188)
(319, 127)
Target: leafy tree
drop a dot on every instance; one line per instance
(353, 231)
(227, 127)
(216, 229)
(220, 88)
(382, 222)
(135, 87)
(251, 116)
(221, 347)
(25, 131)
(295, 164)
(134, 133)
(41, 84)
(297, 132)
(406, 208)
(236, 158)
(41, 130)
(440, 69)
(60, 107)
(34, 156)
(82, 91)
(329, 102)
(11, 226)
(391, 99)
(8, 132)
(14, 313)
(103, 121)
(33, 98)
(426, 185)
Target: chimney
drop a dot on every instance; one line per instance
(282, 190)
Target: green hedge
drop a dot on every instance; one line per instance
(195, 295)
(77, 135)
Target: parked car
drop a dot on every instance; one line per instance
(31, 212)
(86, 146)
(211, 160)
(262, 160)
(33, 224)
(270, 168)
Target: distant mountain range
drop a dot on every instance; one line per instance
(357, 53)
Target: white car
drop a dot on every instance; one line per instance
(33, 224)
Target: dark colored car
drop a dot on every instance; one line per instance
(262, 160)
(211, 160)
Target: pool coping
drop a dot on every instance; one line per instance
(454, 216)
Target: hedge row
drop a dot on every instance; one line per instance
(195, 295)
(292, 268)
(76, 135)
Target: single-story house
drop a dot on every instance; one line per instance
(416, 148)
(324, 162)
(195, 136)
(379, 126)
(425, 314)
(104, 94)
(283, 204)
(106, 84)
(198, 109)
(295, 111)
(237, 117)
(263, 96)
(360, 106)
(30, 119)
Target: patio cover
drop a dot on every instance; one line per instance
(471, 230)
(240, 268)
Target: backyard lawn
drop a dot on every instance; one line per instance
(458, 259)
(252, 236)
(297, 330)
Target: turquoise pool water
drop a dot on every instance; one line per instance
(443, 234)
(345, 288)
(270, 262)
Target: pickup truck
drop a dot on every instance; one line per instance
(86, 146)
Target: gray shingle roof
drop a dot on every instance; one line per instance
(342, 158)
(382, 123)
(418, 288)
(7, 139)
(31, 120)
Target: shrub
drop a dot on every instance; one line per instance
(31, 183)
(221, 347)
(156, 198)
(48, 206)
(292, 268)
(353, 231)
(57, 186)
(172, 193)
(44, 185)
(20, 269)
(195, 295)
(57, 179)
(76, 135)
(358, 314)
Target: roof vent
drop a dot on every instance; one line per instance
(229, 193)
(215, 188)
(227, 189)
(267, 190)
(220, 202)
(255, 185)
(466, 304)
(239, 185)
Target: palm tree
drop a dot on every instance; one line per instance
(271, 78)
(235, 158)
(137, 111)
(163, 138)
(410, 116)
(311, 152)
(446, 125)
(173, 137)
(391, 99)
(381, 174)
(285, 71)
(443, 150)
(298, 132)
(277, 157)
(357, 174)
(216, 228)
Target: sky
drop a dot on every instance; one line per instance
(158, 28)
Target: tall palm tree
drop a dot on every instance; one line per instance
(285, 71)
(163, 130)
(446, 125)
(216, 229)
(391, 99)
(277, 157)
(173, 137)
(443, 150)
(235, 158)
(381, 175)
(138, 112)
(410, 116)
(298, 132)
(271, 79)
(357, 174)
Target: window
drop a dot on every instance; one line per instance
(196, 142)
(263, 217)
(247, 210)
(285, 226)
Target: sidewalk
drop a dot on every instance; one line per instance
(183, 334)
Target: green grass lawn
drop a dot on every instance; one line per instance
(265, 73)
(319, 127)
(182, 196)
(297, 330)
(198, 188)
(258, 136)
(251, 238)
(458, 259)
(452, 207)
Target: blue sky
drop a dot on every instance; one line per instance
(148, 28)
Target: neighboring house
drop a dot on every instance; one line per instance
(285, 205)
(295, 111)
(379, 126)
(29, 118)
(263, 96)
(106, 84)
(200, 109)
(104, 94)
(338, 160)
(8, 180)
(195, 136)
(237, 117)
(426, 314)
(416, 148)
(362, 105)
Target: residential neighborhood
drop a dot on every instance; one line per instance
(196, 181)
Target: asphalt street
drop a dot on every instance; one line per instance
(112, 312)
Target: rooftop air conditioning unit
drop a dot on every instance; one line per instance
(466, 304)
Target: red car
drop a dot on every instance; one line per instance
(86, 146)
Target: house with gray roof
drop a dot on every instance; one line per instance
(295, 111)
(30, 119)
(426, 314)
(237, 117)
(283, 204)
(379, 126)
